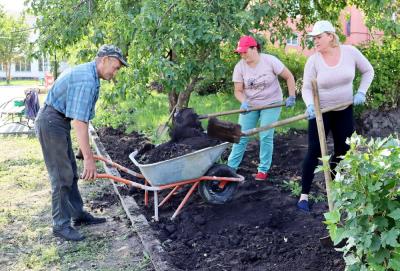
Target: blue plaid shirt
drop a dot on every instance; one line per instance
(75, 92)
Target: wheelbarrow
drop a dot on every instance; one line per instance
(216, 183)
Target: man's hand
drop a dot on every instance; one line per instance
(82, 135)
(89, 169)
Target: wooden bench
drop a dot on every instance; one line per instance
(11, 110)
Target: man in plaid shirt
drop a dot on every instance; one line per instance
(72, 100)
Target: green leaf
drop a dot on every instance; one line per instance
(394, 263)
(332, 217)
(351, 260)
(390, 238)
(395, 214)
(375, 244)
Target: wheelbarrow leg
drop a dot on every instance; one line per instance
(156, 205)
(185, 199)
(169, 195)
(146, 195)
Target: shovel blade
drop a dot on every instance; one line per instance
(162, 129)
(224, 130)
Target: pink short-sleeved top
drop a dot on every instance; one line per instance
(261, 85)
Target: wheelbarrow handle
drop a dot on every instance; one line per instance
(118, 166)
(127, 182)
(206, 116)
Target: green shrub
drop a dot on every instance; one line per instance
(385, 58)
(366, 194)
(294, 61)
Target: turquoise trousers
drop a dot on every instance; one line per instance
(249, 121)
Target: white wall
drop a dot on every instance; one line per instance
(34, 73)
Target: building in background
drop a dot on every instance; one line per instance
(31, 68)
(352, 26)
(24, 68)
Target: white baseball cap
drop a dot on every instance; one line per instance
(321, 27)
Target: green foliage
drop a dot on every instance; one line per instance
(294, 61)
(13, 40)
(367, 207)
(380, 14)
(295, 190)
(292, 186)
(178, 44)
(385, 58)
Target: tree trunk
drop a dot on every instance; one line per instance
(55, 72)
(173, 99)
(8, 72)
(182, 99)
(184, 96)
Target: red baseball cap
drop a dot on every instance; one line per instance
(244, 43)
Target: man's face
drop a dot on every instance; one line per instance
(109, 67)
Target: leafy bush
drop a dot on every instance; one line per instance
(367, 206)
(293, 60)
(385, 58)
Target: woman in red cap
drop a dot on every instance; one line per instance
(255, 79)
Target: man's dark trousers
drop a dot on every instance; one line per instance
(54, 132)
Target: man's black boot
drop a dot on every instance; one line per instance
(87, 219)
(68, 233)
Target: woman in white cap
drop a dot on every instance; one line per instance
(333, 66)
(256, 83)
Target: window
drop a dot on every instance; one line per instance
(22, 65)
(43, 64)
(348, 27)
(293, 40)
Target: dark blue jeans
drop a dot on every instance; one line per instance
(53, 131)
(340, 123)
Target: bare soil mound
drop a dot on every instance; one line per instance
(260, 229)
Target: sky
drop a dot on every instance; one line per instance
(12, 6)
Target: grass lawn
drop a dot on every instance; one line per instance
(20, 83)
(26, 241)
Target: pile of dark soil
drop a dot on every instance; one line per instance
(187, 136)
(260, 229)
(379, 123)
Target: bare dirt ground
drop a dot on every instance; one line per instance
(26, 241)
(260, 229)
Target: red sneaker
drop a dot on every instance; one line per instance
(261, 176)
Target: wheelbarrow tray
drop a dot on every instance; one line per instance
(186, 167)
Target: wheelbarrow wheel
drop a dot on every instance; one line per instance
(211, 192)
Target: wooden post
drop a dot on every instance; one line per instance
(322, 143)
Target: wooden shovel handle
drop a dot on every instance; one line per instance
(240, 111)
(290, 120)
(322, 143)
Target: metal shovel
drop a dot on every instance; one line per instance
(163, 128)
(231, 132)
(230, 112)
